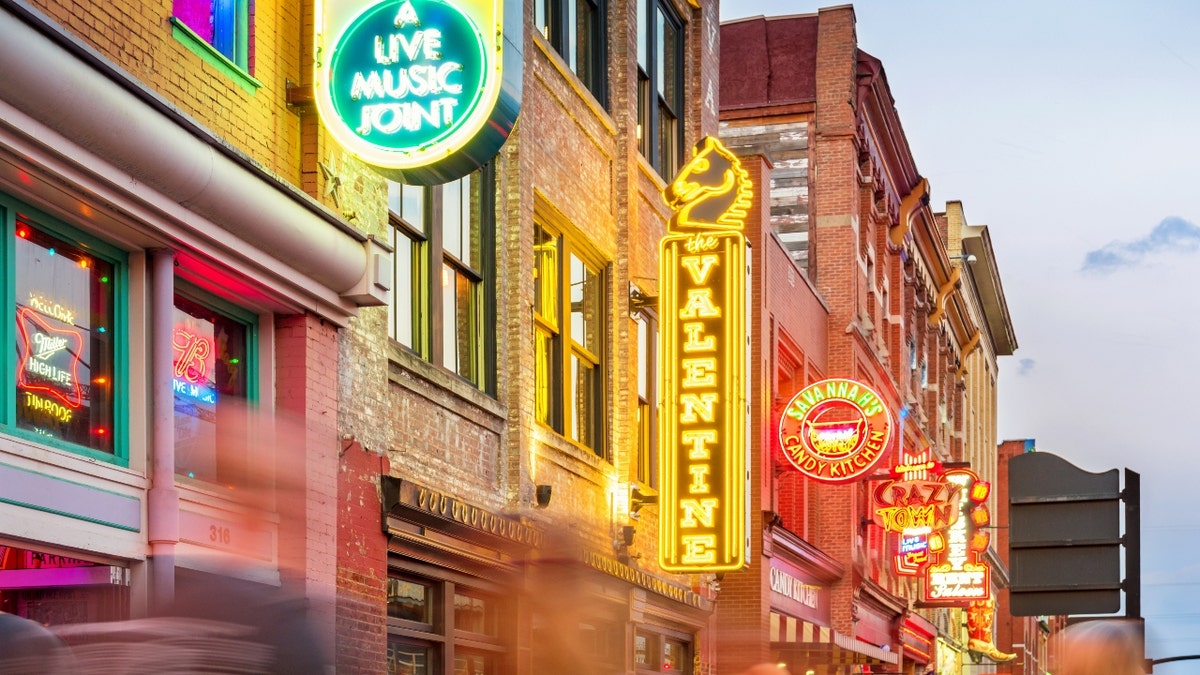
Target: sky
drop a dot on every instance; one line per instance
(1072, 130)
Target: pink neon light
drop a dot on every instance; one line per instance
(191, 355)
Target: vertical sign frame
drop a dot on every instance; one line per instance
(704, 381)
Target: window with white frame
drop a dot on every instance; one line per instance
(646, 323)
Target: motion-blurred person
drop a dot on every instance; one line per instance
(767, 669)
(218, 620)
(1102, 647)
(28, 648)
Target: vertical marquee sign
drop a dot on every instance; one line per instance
(425, 91)
(959, 574)
(702, 306)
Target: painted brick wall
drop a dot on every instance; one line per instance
(136, 36)
(306, 396)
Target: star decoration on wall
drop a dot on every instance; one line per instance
(333, 182)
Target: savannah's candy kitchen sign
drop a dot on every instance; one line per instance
(424, 91)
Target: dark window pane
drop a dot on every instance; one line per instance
(469, 663)
(410, 600)
(407, 658)
(475, 613)
(544, 378)
(64, 340)
(402, 311)
(584, 425)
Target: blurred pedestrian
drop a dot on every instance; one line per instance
(1102, 647)
(29, 648)
(767, 669)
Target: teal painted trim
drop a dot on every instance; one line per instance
(8, 393)
(67, 514)
(198, 46)
(120, 321)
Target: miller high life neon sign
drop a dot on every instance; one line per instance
(702, 302)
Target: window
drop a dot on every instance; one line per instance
(660, 86)
(568, 341)
(447, 319)
(656, 653)
(212, 386)
(647, 385)
(423, 633)
(224, 25)
(575, 28)
(65, 379)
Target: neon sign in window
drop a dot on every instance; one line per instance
(210, 383)
(64, 341)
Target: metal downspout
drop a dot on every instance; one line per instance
(162, 512)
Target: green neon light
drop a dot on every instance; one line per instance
(404, 78)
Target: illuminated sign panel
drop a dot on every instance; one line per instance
(423, 90)
(959, 574)
(920, 503)
(835, 431)
(702, 303)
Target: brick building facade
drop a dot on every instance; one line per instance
(850, 209)
(170, 423)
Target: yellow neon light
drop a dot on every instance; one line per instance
(702, 301)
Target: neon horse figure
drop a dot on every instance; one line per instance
(711, 192)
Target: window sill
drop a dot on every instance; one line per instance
(571, 456)
(413, 373)
(200, 47)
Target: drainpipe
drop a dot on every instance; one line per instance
(162, 512)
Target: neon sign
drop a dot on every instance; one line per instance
(981, 616)
(703, 379)
(194, 360)
(409, 85)
(49, 358)
(835, 431)
(959, 575)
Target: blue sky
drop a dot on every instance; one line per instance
(1069, 129)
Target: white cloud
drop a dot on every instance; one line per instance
(1171, 235)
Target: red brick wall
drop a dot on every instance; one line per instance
(306, 367)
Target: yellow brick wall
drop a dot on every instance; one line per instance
(137, 37)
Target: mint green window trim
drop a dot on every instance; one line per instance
(9, 208)
(235, 70)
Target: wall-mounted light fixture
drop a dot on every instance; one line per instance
(542, 494)
(639, 300)
(966, 258)
(638, 499)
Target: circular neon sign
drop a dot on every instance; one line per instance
(835, 431)
(405, 84)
